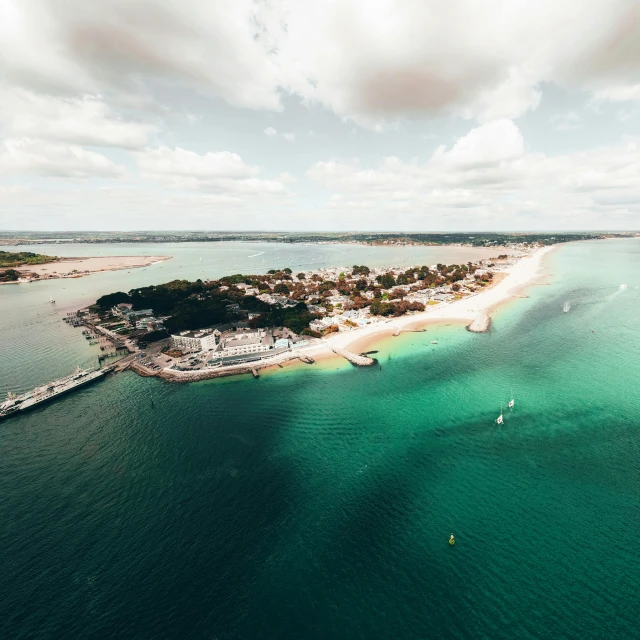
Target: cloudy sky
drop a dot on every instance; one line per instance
(320, 114)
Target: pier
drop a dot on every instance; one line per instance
(353, 358)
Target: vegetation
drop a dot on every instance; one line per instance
(10, 275)
(155, 336)
(399, 308)
(295, 301)
(21, 258)
(295, 318)
(112, 299)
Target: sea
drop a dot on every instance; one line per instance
(317, 501)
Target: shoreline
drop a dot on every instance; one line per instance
(477, 308)
(464, 311)
(71, 267)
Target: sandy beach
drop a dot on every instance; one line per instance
(525, 271)
(85, 266)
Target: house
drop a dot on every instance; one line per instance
(322, 323)
(121, 309)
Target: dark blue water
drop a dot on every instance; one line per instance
(317, 502)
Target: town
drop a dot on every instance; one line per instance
(184, 326)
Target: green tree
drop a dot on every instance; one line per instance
(387, 281)
(112, 299)
(281, 288)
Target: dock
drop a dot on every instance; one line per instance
(353, 358)
(254, 372)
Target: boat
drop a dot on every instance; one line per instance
(434, 342)
(500, 419)
(51, 300)
(566, 307)
(511, 402)
(452, 540)
(15, 403)
(623, 287)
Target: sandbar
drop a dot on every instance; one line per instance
(69, 267)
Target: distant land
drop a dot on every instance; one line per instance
(10, 259)
(476, 239)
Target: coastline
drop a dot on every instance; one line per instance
(464, 311)
(78, 267)
(475, 309)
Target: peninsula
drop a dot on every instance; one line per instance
(186, 331)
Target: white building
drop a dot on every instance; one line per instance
(239, 343)
(323, 323)
(193, 341)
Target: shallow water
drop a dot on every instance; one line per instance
(317, 502)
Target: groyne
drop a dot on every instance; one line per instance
(354, 358)
(480, 324)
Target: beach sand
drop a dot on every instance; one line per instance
(91, 265)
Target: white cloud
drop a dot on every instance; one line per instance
(290, 137)
(164, 162)
(499, 183)
(485, 60)
(221, 171)
(486, 145)
(86, 120)
(39, 157)
(271, 132)
(286, 177)
(115, 45)
(367, 61)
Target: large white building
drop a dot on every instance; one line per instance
(242, 343)
(191, 341)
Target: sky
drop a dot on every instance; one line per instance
(341, 115)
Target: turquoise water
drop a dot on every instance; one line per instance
(317, 502)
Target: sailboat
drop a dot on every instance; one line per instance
(500, 419)
(51, 300)
(566, 307)
(511, 402)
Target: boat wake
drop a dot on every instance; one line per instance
(255, 255)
